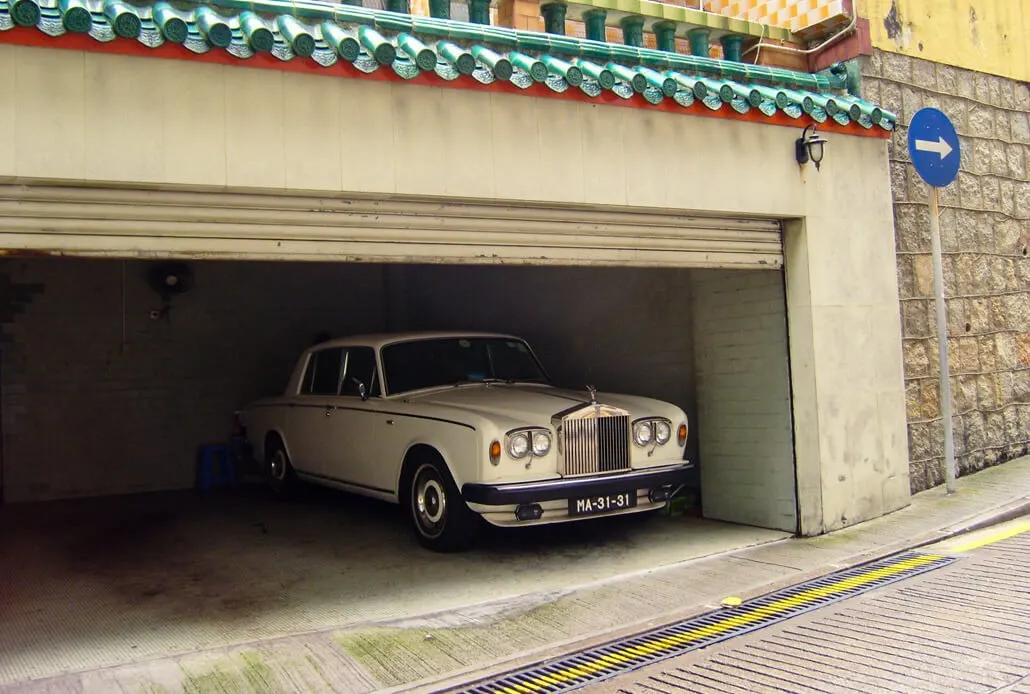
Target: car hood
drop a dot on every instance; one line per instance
(534, 405)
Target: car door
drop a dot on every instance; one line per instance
(354, 424)
(309, 416)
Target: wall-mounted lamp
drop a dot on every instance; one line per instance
(809, 147)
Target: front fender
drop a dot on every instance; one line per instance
(457, 448)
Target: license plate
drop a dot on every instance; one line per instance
(602, 503)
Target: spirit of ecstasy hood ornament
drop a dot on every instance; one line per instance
(593, 394)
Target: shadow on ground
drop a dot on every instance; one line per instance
(103, 581)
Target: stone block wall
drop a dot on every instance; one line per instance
(985, 231)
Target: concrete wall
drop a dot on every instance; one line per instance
(985, 234)
(982, 35)
(85, 413)
(743, 394)
(81, 116)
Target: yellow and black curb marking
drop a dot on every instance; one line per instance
(617, 658)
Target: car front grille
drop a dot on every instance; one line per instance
(594, 444)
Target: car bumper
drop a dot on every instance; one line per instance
(560, 489)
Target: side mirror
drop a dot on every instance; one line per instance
(362, 391)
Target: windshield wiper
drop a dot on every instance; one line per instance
(487, 381)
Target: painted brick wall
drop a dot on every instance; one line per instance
(985, 234)
(86, 415)
(743, 394)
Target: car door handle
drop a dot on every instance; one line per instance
(329, 409)
(390, 422)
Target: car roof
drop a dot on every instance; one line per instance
(377, 340)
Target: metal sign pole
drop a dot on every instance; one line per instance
(933, 146)
(942, 340)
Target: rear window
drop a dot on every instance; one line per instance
(323, 373)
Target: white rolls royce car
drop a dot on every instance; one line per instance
(463, 426)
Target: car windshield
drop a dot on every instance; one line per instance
(455, 361)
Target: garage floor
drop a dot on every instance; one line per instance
(105, 581)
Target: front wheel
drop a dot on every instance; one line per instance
(441, 520)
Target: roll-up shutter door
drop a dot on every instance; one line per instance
(121, 222)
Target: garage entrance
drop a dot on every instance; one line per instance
(124, 416)
(108, 390)
(627, 301)
(615, 297)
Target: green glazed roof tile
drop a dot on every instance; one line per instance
(125, 23)
(603, 76)
(462, 60)
(352, 14)
(628, 76)
(259, 37)
(372, 40)
(666, 84)
(24, 13)
(565, 45)
(343, 41)
(213, 28)
(395, 21)
(170, 23)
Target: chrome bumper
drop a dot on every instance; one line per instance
(552, 490)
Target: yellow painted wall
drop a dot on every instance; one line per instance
(983, 35)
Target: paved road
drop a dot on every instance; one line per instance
(961, 628)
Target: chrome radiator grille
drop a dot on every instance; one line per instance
(595, 444)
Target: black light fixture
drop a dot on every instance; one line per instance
(809, 147)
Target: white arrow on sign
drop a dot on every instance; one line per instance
(941, 147)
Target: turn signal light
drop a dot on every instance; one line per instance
(681, 434)
(495, 452)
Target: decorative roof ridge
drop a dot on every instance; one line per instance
(411, 45)
(529, 41)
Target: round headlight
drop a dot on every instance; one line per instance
(541, 443)
(518, 445)
(642, 433)
(662, 432)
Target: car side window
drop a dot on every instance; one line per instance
(323, 373)
(360, 365)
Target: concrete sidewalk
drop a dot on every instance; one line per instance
(440, 650)
(958, 628)
(685, 590)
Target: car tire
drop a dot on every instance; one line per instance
(279, 475)
(441, 520)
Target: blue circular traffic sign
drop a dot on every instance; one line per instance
(934, 148)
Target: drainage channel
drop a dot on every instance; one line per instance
(617, 658)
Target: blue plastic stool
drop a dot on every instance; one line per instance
(215, 466)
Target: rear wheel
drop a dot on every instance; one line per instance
(441, 519)
(278, 469)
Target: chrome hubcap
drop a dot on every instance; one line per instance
(429, 501)
(277, 466)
